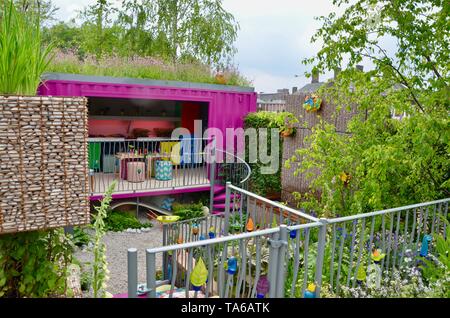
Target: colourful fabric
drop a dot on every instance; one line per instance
(171, 150)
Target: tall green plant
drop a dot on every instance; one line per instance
(100, 265)
(23, 58)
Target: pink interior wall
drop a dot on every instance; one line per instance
(99, 127)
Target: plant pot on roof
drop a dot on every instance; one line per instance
(42, 139)
(221, 78)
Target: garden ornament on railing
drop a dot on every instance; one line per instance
(199, 276)
(274, 222)
(310, 292)
(212, 232)
(312, 103)
(262, 287)
(293, 234)
(374, 269)
(424, 251)
(425, 245)
(195, 229)
(250, 225)
(361, 276)
(231, 265)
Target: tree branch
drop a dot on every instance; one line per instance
(433, 66)
(402, 78)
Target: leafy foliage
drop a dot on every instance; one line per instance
(120, 221)
(176, 30)
(23, 59)
(436, 268)
(392, 160)
(188, 211)
(261, 183)
(34, 264)
(80, 237)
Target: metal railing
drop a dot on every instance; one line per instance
(296, 251)
(134, 164)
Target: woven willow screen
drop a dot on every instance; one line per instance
(294, 103)
(43, 163)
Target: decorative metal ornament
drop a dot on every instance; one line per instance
(199, 275)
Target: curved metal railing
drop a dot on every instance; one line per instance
(238, 168)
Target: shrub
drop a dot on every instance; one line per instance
(80, 237)
(261, 183)
(188, 211)
(34, 264)
(120, 221)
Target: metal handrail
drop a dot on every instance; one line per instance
(221, 239)
(249, 170)
(273, 203)
(279, 242)
(392, 210)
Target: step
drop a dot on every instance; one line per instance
(222, 197)
(219, 188)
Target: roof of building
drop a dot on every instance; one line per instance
(138, 81)
(310, 88)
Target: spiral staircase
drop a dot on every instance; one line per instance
(237, 172)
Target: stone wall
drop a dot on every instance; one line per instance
(43, 163)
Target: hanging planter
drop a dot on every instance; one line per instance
(287, 132)
(312, 103)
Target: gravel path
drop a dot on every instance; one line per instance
(117, 244)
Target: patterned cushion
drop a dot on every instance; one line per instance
(163, 170)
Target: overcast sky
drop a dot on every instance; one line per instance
(274, 37)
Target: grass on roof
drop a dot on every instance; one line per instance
(143, 68)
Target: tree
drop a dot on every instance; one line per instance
(44, 8)
(202, 29)
(391, 161)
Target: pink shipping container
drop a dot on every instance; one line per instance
(119, 107)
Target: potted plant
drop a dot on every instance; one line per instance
(288, 129)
